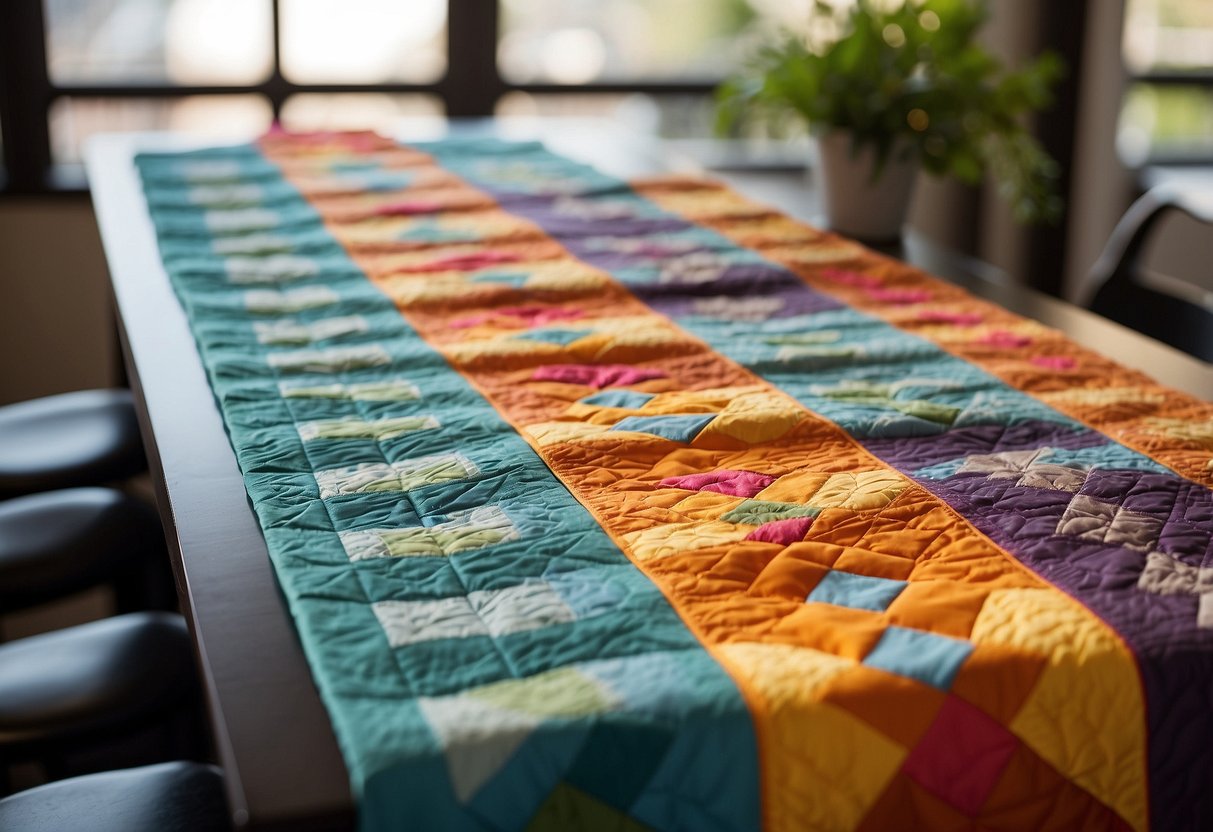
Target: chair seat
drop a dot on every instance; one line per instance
(169, 797)
(60, 542)
(84, 438)
(92, 680)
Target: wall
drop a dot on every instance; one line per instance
(56, 328)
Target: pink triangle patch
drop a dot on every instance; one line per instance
(783, 532)
(597, 376)
(898, 296)
(724, 481)
(1002, 339)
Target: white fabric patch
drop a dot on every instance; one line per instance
(240, 219)
(274, 302)
(212, 170)
(390, 390)
(482, 728)
(229, 195)
(351, 427)
(1164, 575)
(251, 244)
(332, 360)
(276, 268)
(516, 609)
(1204, 613)
(694, 269)
(477, 739)
(395, 476)
(409, 622)
(462, 530)
(298, 332)
(1093, 519)
(728, 308)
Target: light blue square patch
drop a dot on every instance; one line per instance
(678, 428)
(430, 231)
(561, 337)
(931, 659)
(515, 280)
(861, 592)
(630, 399)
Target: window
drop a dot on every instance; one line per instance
(578, 42)
(229, 68)
(1167, 115)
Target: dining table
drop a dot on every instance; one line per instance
(294, 753)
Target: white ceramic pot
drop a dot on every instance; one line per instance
(871, 210)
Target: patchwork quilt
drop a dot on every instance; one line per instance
(639, 506)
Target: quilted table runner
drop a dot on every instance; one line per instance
(628, 506)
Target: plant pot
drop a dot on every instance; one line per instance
(869, 209)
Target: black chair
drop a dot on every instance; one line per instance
(170, 797)
(69, 692)
(1120, 288)
(60, 542)
(74, 439)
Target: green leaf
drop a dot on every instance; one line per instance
(868, 85)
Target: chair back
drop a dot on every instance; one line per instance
(1119, 287)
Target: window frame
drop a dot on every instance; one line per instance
(471, 86)
(1200, 78)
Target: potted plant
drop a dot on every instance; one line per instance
(889, 87)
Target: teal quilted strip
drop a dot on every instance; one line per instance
(479, 641)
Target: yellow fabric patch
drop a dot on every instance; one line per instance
(712, 400)
(1085, 715)
(484, 224)
(756, 418)
(1200, 433)
(705, 202)
(864, 491)
(424, 289)
(621, 324)
(561, 275)
(832, 252)
(500, 347)
(663, 541)
(553, 433)
(772, 228)
(1102, 396)
(414, 258)
(706, 505)
(796, 487)
(960, 335)
(823, 768)
(639, 340)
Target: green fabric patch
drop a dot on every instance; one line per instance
(351, 427)
(562, 693)
(375, 391)
(804, 338)
(568, 807)
(757, 512)
(882, 396)
(403, 476)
